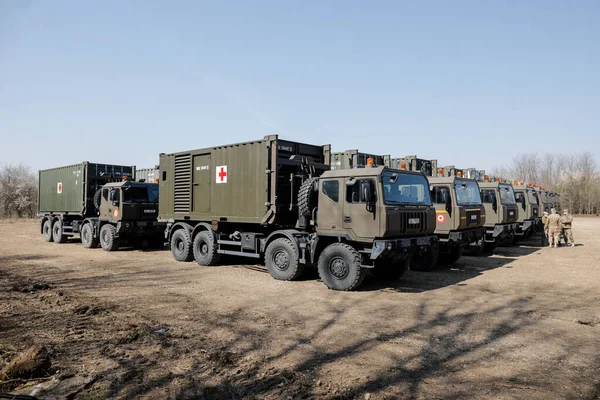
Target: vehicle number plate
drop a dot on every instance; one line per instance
(511, 213)
(473, 217)
(414, 221)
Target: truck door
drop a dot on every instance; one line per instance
(442, 200)
(356, 218)
(331, 200)
(201, 180)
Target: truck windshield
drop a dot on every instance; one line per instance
(403, 188)
(507, 194)
(141, 194)
(467, 193)
(532, 197)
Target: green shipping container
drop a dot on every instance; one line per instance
(252, 182)
(70, 189)
(354, 158)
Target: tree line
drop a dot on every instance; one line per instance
(18, 192)
(575, 177)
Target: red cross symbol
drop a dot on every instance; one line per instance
(222, 174)
(59, 187)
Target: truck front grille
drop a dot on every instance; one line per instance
(182, 184)
(413, 221)
(473, 220)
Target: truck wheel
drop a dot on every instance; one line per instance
(489, 247)
(391, 272)
(205, 249)
(477, 248)
(454, 255)
(57, 234)
(47, 231)
(108, 241)
(427, 260)
(282, 260)
(307, 197)
(340, 267)
(88, 240)
(181, 248)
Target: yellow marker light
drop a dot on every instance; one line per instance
(369, 161)
(459, 174)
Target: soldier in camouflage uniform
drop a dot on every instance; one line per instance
(553, 224)
(545, 238)
(566, 220)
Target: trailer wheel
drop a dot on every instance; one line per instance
(181, 248)
(108, 239)
(391, 272)
(57, 233)
(205, 249)
(88, 240)
(427, 260)
(282, 260)
(47, 231)
(307, 197)
(340, 267)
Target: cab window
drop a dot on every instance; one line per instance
(331, 189)
(488, 196)
(354, 194)
(105, 194)
(440, 194)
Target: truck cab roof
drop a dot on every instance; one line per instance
(127, 183)
(448, 179)
(363, 172)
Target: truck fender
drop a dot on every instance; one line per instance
(180, 225)
(202, 226)
(288, 234)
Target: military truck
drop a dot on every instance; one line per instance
(529, 213)
(354, 158)
(100, 203)
(279, 200)
(545, 199)
(501, 213)
(460, 214)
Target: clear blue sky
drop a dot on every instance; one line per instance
(469, 83)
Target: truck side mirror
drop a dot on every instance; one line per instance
(368, 195)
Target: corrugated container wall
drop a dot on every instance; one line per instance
(252, 182)
(71, 189)
(353, 158)
(149, 175)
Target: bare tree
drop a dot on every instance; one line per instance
(18, 192)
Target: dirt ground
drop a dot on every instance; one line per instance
(523, 323)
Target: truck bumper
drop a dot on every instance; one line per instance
(141, 228)
(463, 238)
(524, 227)
(404, 246)
(499, 231)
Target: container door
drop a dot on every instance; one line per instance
(201, 183)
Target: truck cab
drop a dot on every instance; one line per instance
(501, 213)
(460, 214)
(127, 211)
(386, 215)
(529, 211)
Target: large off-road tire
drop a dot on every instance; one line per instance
(340, 267)
(57, 234)
(97, 198)
(307, 197)
(47, 231)
(88, 240)
(181, 246)
(392, 272)
(205, 249)
(282, 260)
(490, 246)
(454, 255)
(426, 261)
(108, 239)
(476, 248)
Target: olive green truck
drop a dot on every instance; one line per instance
(279, 200)
(99, 202)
